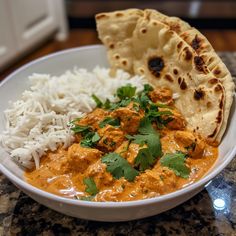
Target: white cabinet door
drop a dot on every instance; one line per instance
(7, 42)
(33, 20)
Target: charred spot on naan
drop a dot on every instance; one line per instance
(200, 65)
(213, 81)
(175, 26)
(112, 46)
(101, 16)
(219, 118)
(175, 71)
(168, 78)
(217, 71)
(179, 45)
(187, 54)
(218, 88)
(196, 42)
(143, 30)
(199, 94)
(182, 83)
(119, 14)
(156, 65)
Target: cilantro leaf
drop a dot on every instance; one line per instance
(91, 187)
(90, 139)
(154, 145)
(143, 100)
(148, 135)
(123, 103)
(144, 159)
(176, 162)
(97, 100)
(107, 104)
(126, 91)
(80, 128)
(109, 121)
(119, 167)
(147, 88)
(145, 126)
(138, 138)
(73, 122)
(154, 114)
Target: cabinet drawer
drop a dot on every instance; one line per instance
(33, 20)
(7, 43)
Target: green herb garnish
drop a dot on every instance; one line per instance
(147, 88)
(144, 159)
(148, 135)
(109, 121)
(91, 187)
(126, 92)
(119, 167)
(97, 100)
(107, 104)
(90, 139)
(80, 128)
(176, 162)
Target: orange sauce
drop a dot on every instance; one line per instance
(55, 177)
(63, 172)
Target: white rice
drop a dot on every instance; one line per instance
(38, 122)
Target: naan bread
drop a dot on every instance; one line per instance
(115, 31)
(157, 51)
(204, 49)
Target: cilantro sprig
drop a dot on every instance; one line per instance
(119, 167)
(176, 162)
(147, 157)
(125, 92)
(109, 121)
(80, 128)
(144, 159)
(90, 139)
(100, 104)
(91, 187)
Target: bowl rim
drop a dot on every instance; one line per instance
(49, 196)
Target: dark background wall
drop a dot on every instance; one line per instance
(207, 14)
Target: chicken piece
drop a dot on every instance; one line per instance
(133, 152)
(178, 122)
(129, 118)
(79, 158)
(129, 151)
(99, 174)
(111, 138)
(161, 180)
(194, 144)
(93, 118)
(162, 95)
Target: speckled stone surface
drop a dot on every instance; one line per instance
(211, 212)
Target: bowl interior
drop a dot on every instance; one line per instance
(86, 57)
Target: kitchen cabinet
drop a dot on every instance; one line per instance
(26, 23)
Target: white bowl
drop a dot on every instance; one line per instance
(88, 57)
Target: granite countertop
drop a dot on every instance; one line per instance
(211, 212)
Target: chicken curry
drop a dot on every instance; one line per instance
(135, 148)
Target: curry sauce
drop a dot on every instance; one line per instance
(127, 151)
